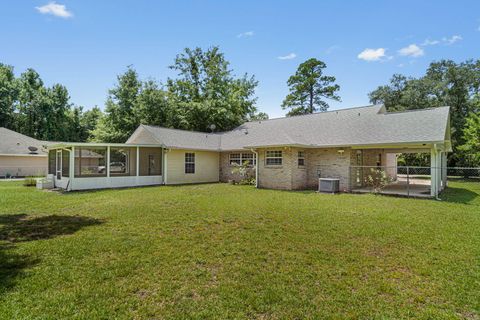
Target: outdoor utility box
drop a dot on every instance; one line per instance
(328, 185)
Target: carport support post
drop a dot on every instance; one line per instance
(434, 172)
(444, 170)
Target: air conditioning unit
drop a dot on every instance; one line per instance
(328, 185)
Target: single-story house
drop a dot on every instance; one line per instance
(21, 155)
(286, 153)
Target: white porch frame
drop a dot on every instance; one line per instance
(108, 181)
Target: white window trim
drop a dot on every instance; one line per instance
(190, 162)
(273, 157)
(241, 158)
(302, 157)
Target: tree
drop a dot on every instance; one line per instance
(89, 121)
(31, 97)
(152, 105)
(308, 86)
(207, 93)
(259, 116)
(55, 110)
(445, 83)
(120, 121)
(8, 96)
(471, 135)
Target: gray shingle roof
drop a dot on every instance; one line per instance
(368, 125)
(185, 139)
(14, 143)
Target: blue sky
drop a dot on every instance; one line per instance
(84, 44)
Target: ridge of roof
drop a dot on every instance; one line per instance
(182, 130)
(416, 110)
(318, 113)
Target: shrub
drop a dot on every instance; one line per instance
(30, 182)
(244, 172)
(377, 179)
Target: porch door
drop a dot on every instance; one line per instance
(151, 164)
(58, 170)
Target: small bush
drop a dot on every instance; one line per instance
(30, 182)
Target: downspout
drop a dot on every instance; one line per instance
(256, 167)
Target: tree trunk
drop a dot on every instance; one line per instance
(311, 100)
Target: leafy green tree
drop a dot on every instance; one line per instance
(308, 89)
(471, 135)
(152, 105)
(8, 96)
(207, 93)
(55, 110)
(31, 99)
(89, 121)
(259, 116)
(120, 120)
(445, 83)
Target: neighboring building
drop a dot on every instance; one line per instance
(286, 153)
(20, 155)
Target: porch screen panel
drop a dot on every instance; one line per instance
(150, 162)
(65, 163)
(123, 161)
(52, 154)
(90, 162)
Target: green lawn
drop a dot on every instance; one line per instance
(222, 251)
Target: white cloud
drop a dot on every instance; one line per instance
(245, 34)
(412, 51)
(53, 8)
(289, 56)
(429, 42)
(444, 40)
(452, 39)
(372, 54)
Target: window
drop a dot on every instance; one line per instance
(301, 158)
(273, 158)
(241, 158)
(119, 161)
(90, 162)
(189, 162)
(249, 158)
(235, 159)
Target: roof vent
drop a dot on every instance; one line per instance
(33, 150)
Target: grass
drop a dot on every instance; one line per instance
(223, 251)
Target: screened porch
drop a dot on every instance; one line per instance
(81, 166)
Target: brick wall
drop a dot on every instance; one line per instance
(329, 163)
(226, 169)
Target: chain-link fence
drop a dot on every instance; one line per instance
(466, 173)
(12, 172)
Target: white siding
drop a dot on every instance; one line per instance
(206, 167)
